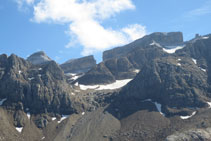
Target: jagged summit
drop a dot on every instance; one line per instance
(38, 58)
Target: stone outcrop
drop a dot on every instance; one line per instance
(79, 65)
(38, 58)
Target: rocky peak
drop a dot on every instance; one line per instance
(79, 65)
(38, 58)
(162, 38)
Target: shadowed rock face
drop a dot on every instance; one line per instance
(40, 88)
(172, 81)
(164, 39)
(38, 58)
(79, 65)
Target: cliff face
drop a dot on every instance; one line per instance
(79, 65)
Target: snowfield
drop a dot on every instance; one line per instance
(116, 85)
(187, 117)
(19, 129)
(173, 49)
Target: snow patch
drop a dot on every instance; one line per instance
(178, 59)
(136, 71)
(83, 113)
(72, 93)
(2, 101)
(53, 118)
(173, 50)
(19, 72)
(158, 106)
(31, 78)
(116, 85)
(28, 115)
(194, 60)
(205, 37)
(40, 69)
(155, 44)
(43, 138)
(203, 69)
(39, 75)
(187, 117)
(76, 84)
(209, 103)
(63, 118)
(19, 129)
(178, 64)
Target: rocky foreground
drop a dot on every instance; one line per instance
(157, 88)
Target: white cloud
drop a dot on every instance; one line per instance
(135, 31)
(85, 18)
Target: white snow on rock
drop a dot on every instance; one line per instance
(194, 60)
(178, 64)
(76, 84)
(187, 117)
(203, 69)
(63, 118)
(19, 129)
(116, 85)
(83, 113)
(209, 103)
(155, 44)
(2, 101)
(73, 76)
(43, 138)
(31, 78)
(39, 75)
(28, 115)
(178, 59)
(53, 118)
(158, 106)
(205, 37)
(136, 71)
(86, 87)
(40, 69)
(173, 50)
(72, 93)
(19, 72)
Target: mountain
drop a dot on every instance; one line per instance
(79, 65)
(124, 62)
(156, 88)
(38, 58)
(164, 39)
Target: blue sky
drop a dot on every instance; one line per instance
(67, 29)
